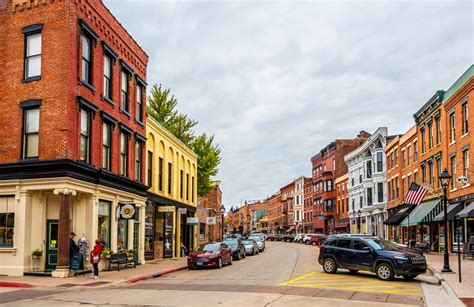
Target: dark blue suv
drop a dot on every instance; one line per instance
(368, 253)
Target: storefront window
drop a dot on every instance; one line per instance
(7, 221)
(122, 234)
(149, 235)
(104, 222)
(168, 243)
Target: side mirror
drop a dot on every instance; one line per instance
(367, 249)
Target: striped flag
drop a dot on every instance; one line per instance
(415, 194)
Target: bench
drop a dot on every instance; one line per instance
(120, 258)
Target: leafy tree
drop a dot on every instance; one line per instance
(162, 107)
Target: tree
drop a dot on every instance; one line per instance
(162, 107)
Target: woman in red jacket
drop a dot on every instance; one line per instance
(95, 258)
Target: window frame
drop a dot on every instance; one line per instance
(88, 136)
(139, 103)
(452, 127)
(124, 99)
(107, 79)
(465, 118)
(124, 155)
(107, 147)
(466, 161)
(24, 142)
(27, 32)
(138, 160)
(7, 213)
(89, 61)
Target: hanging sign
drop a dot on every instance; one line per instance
(210, 220)
(192, 221)
(127, 211)
(182, 210)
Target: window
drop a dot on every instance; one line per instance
(139, 115)
(415, 151)
(430, 136)
(107, 91)
(415, 177)
(85, 135)
(122, 234)
(160, 174)
(465, 127)
(379, 162)
(86, 59)
(423, 173)
(138, 161)
(124, 99)
(408, 181)
(465, 158)
(431, 166)
(359, 245)
(403, 187)
(438, 130)
(344, 243)
(423, 140)
(192, 189)
(187, 186)
(7, 221)
(170, 177)
(452, 128)
(396, 157)
(453, 172)
(361, 202)
(393, 189)
(328, 206)
(408, 155)
(123, 154)
(389, 191)
(106, 138)
(32, 63)
(104, 222)
(439, 170)
(150, 170)
(328, 186)
(369, 196)
(181, 175)
(397, 190)
(403, 159)
(30, 133)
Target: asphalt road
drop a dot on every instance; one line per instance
(285, 274)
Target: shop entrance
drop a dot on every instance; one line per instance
(51, 245)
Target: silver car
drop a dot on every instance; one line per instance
(251, 247)
(260, 242)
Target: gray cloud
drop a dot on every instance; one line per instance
(276, 81)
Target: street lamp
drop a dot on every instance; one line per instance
(358, 221)
(445, 179)
(222, 215)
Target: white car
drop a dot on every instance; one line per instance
(307, 237)
(299, 238)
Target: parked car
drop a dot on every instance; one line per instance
(210, 255)
(307, 237)
(260, 243)
(288, 238)
(313, 240)
(270, 237)
(279, 237)
(299, 237)
(234, 236)
(256, 235)
(251, 247)
(370, 253)
(238, 249)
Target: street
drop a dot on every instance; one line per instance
(285, 274)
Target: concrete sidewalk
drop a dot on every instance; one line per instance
(107, 278)
(463, 290)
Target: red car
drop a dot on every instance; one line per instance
(210, 255)
(317, 238)
(270, 237)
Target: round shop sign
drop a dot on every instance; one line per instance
(127, 211)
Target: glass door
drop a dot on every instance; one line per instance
(51, 245)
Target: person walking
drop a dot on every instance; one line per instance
(95, 258)
(73, 248)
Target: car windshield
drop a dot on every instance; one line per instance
(247, 242)
(231, 242)
(208, 248)
(258, 239)
(380, 244)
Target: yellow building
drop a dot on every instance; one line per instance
(171, 173)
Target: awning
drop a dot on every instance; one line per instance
(423, 213)
(401, 212)
(466, 212)
(452, 211)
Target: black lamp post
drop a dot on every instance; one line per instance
(222, 216)
(358, 221)
(445, 179)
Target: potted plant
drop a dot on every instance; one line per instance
(129, 253)
(107, 252)
(37, 253)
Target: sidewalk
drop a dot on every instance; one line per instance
(127, 275)
(463, 290)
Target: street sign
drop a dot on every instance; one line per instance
(210, 220)
(192, 221)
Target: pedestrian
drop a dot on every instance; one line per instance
(73, 248)
(95, 258)
(184, 250)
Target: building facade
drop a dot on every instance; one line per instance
(342, 204)
(366, 177)
(287, 201)
(275, 214)
(308, 206)
(171, 174)
(212, 203)
(73, 133)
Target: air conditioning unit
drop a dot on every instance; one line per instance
(462, 180)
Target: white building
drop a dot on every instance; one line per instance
(366, 186)
(299, 203)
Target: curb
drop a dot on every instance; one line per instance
(444, 284)
(8, 284)
(154, 275)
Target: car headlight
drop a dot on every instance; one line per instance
(401, 258)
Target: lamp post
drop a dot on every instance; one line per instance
(358, 221)
(222, 224)
(445, 179)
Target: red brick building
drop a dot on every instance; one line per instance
(308, 206)
(342, 204)
(287, 195)
(72, 129)
(275, 214)
(213, 203)
(327, 165)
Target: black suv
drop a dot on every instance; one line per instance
(368, 253)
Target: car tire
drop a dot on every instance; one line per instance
(353, 271)
(314, 243)
(384, 271)
(253, 251)
(230, 261)
(409, 277)
(329, 265)
(190, 268)
(219, 263)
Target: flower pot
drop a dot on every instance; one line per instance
(34, 257)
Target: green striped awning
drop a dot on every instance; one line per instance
(424, 213)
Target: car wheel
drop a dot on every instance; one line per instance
(385, 271)
(353, 271)
(219, 263)
(329, 266)
(314, 243)
(239, 255)
(230, 261)
(244, 254)
(253, 251)
(409, 277)
(190, 268)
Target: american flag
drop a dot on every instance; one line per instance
(415, 194)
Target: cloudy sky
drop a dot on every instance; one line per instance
(276, 81)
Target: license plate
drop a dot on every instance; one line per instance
(199, 263)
